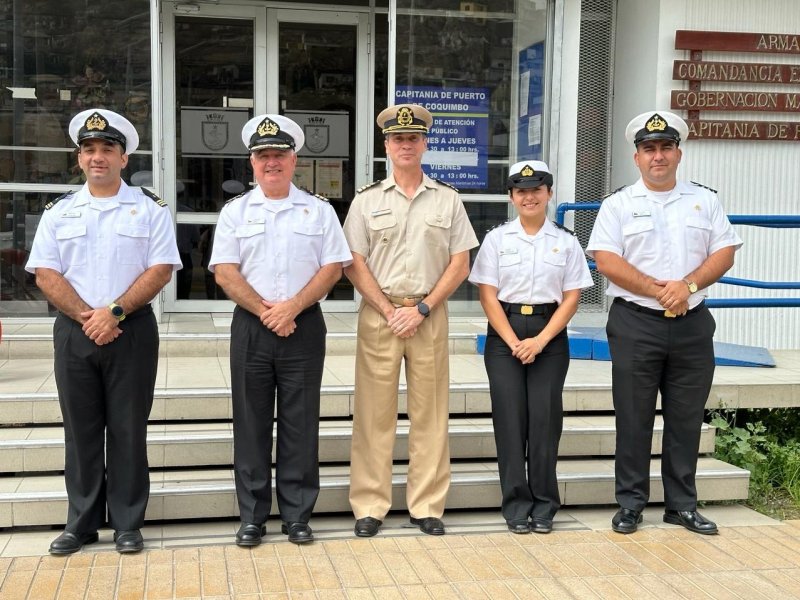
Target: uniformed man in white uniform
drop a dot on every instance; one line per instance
(661, 243)
(100, 256)
(530, 272)
(277, 252)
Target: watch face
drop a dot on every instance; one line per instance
(423, 309)
(117, 311)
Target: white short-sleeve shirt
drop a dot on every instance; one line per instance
(531, 269)
(102, 245)
(665, 237)
(279, 246)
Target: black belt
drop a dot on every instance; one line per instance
(664, 314)
(529, 309)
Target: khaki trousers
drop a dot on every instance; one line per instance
(378, 357)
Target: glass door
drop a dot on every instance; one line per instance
(226, 64)
(214, 81)
(320, 75)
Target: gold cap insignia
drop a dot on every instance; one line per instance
(405, 116)
(656, 123)
(527, 171)
(96, 121)
(267, 127)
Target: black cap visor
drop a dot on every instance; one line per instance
(526, 183)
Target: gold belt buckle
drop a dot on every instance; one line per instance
(526, 310)
(669, 314)
(408, 302)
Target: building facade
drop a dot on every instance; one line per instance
(506, 80)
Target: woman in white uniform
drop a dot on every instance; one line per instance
(530, 273)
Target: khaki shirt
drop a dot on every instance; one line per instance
(408, 243)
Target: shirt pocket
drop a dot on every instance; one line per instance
(698, 239)
(251, 241)
(437, 230)
(308, 242)
(509, 259)
(72, 242)
(638, 238)
(556, 260)
(132, 244)
(383, 229)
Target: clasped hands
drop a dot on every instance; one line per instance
(404, 321)
(673, 296)
(100, 325)
(527, 350)
(279, 316)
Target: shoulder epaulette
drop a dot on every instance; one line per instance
(235, 198)
(444, 183)
(498, 225)
(153, 197)
(369, 185)
(619, 189)
(51, 204)
(316, 195)
(560, 226)
(704, 186)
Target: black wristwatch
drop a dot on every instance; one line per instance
(424, 309)
(117, 311)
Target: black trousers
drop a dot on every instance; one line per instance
(652, 354)
(527, 413)
(262, 364)
(106, 393)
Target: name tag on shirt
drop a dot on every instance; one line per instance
(378, 213)
(506, 251)
(71, 215)
(642, 213)
(256, 221)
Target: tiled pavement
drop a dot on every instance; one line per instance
(752, 558)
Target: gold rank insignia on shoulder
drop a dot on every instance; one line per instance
(527, 171)
(655, 123)
(444, 183)
(50, 205)
(316, 195)
(704, 187)
(236, 198)
(369, 185)
(153, 197)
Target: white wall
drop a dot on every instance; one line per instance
(751, 177)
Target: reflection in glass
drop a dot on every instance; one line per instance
(214, 79)
(60, 58)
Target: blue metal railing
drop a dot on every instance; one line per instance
(778, 221)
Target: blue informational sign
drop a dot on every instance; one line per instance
(458, 142)
(531, 102)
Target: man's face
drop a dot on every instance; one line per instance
(273, 168)
(405, 149)
(658, 162)
(101, 161)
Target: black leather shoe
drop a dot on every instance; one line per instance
(692, 520)
(626, 520)
(249, 534)
(541, 525)
(128, 541)
(429, 525)
(518, 527)
(367, 527)
(67, 542)
(299, 533)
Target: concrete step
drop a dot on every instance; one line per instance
(40, 345)
(175, 495)
(37, 449)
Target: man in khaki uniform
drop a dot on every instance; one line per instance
(410, 238)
